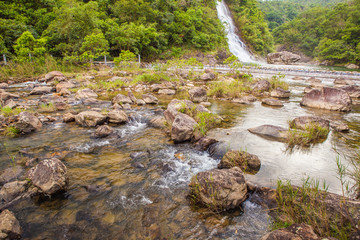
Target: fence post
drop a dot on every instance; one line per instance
(139, 60)
(105, 59)
(4, 57)
(30, 57)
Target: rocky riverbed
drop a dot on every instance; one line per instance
(113, 160)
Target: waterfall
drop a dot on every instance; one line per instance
(236, 46)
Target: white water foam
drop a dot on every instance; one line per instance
(236, 46)
(183, 169)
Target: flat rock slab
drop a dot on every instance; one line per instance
(270, 131)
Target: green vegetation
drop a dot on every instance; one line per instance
(206, 121)
(11, 131)
(232, 89)
(8, 111)
(249, 19)
(304, 138)
(331, 34)
(276, 81)
(47, 107)
(85, 30)
(278, 12)
(307, 205)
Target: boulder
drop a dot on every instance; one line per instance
(140, 102)
(4, 96)
(28, 122)
(182, 128)
(49, 176)
(41, 90)
(261, 86)
(117, 117)
(68, 117)
(247, 162)
(61, 106)
(63, 86)
(11, 104)
(272, 102)
(352, 66)
(280, 93)
(208, 76)
(219, 189)
(176, 106)
(9, 226)
(204, 143)
(158, 122)
(167, 91)
(340, 126)
(327, 98)
(150, 99)
(294, 232)
(64, 92)
(205, 104)
(275, 132)
(10, 174)
(11, 190)
(4, 85)
(245, 99)
(343, 82)
(85, 93)
(90, 119)
(283, 57)
(132, 97)
(103, 131)
(198, 95)
(353, 90)
(122, 99)
(54, 75)
(307, 121)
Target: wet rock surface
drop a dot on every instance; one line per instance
(198, 95)
(219, 189)
(283, 57)
(28, 122)
(305, 122)
(9, 226)
(271, 131)
(49, 176)
(247, 162)
(328, 98)
(90, 119)
(295, 231)
(182, 128)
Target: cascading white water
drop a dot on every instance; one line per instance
(236, 46)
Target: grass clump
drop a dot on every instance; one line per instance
(11, 131)
(8, 111)
(307, 204)
(107, 85)
(206, 121)
(47, 107)
(276, 81)
(233, 89)
(312, 134)
(151, 78)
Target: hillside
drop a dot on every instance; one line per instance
(152, 28)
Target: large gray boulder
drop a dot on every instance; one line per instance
(198, 95)
(182, 128)
(122, 99)
(9, 226)
(64, 85)
(328, 98)
(90, 119)
(117, 116)
(150, 99)
(41, 90)
(175, 107)
(280, 93)
(28, 122)
(85, 93)
(219, 189)
(103, 131)
(270, 131)
(305, 122)
(261, 86)
(49, 176)
(283, 57)
(54, 75)
(247, 162)
(11, 190)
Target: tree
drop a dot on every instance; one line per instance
(27, 46)
(94, 46)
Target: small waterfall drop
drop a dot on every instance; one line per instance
(236, 46)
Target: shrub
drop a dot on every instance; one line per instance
(11, 131)
(8, 111)
(276, 81)
(232, 89)
(304, 138)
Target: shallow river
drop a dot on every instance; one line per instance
(132, 185)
